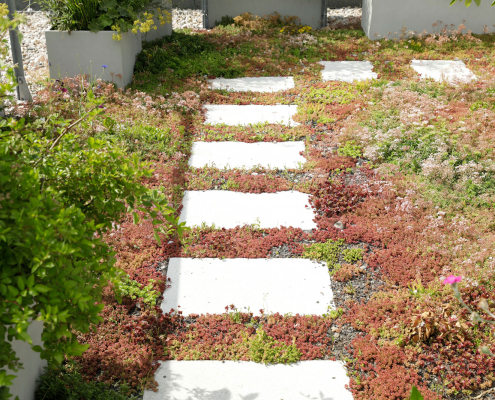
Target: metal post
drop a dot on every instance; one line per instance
(22, 88)
(324, 12)
(205, 14)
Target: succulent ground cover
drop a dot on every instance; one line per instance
(406, 167)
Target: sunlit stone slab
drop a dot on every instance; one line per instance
(284, 285)
(247, 155)
(265, 84)
(230, 380)
(226, 209)
(347, 71)
(251, 114)
(443, 70)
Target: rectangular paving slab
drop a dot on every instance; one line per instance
(226, 209)
(230, 380)
(265, 84)
(247, 155)
(443, 70)
(283, 285)
(347, 71)
(251, 114)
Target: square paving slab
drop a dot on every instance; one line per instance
(230, 380)
(226, 209)
(248, 155)
(284, 285)
(265, 84)
(443, 70)
(347, 71)
(251, 114)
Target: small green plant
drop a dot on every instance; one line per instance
(225, 21)
(350, 149)
(65, 383)
(415, 395)
(352, 255)
(327, 252)
(130, 288)
(264, 349)
(334, 314)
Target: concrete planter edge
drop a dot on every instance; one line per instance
(85, 52)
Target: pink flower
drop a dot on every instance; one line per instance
(452, 279)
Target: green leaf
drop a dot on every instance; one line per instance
(58, 357)
(415, 395)
(42, 288)
(135, 218)
(96, 26)
(478, 2)
(468, 2)
(105, 20)
(157, 238)
(21, 283)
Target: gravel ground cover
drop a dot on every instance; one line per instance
(401, 177)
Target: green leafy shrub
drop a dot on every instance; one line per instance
(264, 349)
(225, 21)
(100, 15)
(352, 255)
(65, 383)
(60, 193)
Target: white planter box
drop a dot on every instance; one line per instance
(159, 33)
(311, 12)
(84, 52)
(386, 18)
(24, 385)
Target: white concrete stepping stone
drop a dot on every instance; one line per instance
(265, 84)
(251, 114)
(443, 70)
(231, 380)
(247, 155)
(347, 71)
(227, 209)
(284, 285)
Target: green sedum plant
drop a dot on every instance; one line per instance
(130, 288)
(267, 350)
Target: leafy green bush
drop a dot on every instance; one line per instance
(60, 193)
(188, 55)
(64, 383)
(225, 21)
(101, 15)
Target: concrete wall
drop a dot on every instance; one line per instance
(25, 383)
(309, 11)
(383, 16)
(22, 5)
(196, 4)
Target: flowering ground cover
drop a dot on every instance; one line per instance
(402, 183)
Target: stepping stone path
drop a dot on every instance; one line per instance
(230, 380)
(247, 115)
(247, 155)
(443, 70)
(226, 209)
(281, 285)
(203, 286)
(347, 71)
(261, 85)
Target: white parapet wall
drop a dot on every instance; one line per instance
(84, 52)
(311, 12)
(24, 384)
(388, 18)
